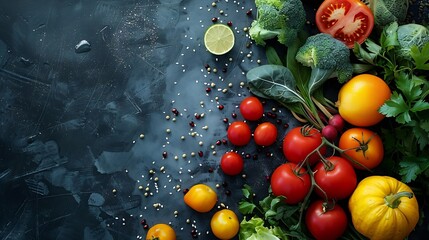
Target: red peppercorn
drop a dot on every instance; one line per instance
(200, 153)
(249, 12)
(208, 90)
(234, 115)
(192, 124)
(221, 107)
(214, 19)
(164, 154)
(225, 120)
(175, 111)
(229, 23)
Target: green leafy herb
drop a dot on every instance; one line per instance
(401, 56)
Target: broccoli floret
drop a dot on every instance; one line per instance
(277, 18)
(327, 57)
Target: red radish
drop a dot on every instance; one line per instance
(329, 132)
(337, 121)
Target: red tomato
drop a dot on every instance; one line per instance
(231, 163)
(287, 181)
(363, 146)
(239, 133)
(325, 222)
(349, 21)
(300, 142)
(337, 178)
(265, 134)
(251, 108)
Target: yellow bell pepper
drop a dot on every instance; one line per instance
(382, 207)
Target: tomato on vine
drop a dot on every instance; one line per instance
(325, 220)
(364, 146)
(336, 177)
(290, 181)
(299, 142)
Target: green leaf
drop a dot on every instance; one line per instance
(274, 82)
(272, 56)
(389, 36)
(421, 58)
(247, 191)
(412, 166)
(395, 106)
(420, 130)
(420, 105)
(246, 207)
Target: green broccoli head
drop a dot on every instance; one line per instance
(277, 18)
(324, 52)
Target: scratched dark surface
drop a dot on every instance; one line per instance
(73, 161)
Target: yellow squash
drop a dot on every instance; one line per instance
(383, 208)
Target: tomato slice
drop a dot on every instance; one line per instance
(349, 21)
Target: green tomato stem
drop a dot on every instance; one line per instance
(393, 200)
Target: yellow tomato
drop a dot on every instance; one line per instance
(161, 231)
(225, 224)
(201, 198)
(360, 99)
(383, 208)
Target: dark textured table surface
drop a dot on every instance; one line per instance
(89, 144)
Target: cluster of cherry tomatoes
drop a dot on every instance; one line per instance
(240, 134)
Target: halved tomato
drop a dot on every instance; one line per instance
(349, 21)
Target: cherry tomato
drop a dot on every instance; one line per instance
(290, 182)
(360, 99)
(239, 133)
(325, 222)
(337, 178)
(225, 224)
(300, 142)
(349, 21)
(265, 134)
(363, 146)
(231, 163)
(161, 231)
(251, 108)
(201, 198)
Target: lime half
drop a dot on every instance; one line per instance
(219, 39)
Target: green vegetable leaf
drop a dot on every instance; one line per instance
(275, 82)
(389, 36)
(421, 58)
(410, 86)
(246, 207)
(396, 107)
(411, 167)
(420, 105)
(421, 132)
(323, 75)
